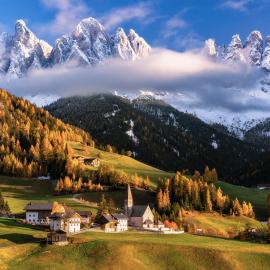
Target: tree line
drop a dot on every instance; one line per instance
(79, 180)
(196, 193)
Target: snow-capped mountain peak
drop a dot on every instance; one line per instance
(210, 47)
(139, 45)
(266, 54)
(121, 45)
(88, 44)
(234, 50)
(254, 48)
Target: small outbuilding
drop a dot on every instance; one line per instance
(57, 238)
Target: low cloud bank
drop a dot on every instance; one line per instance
(196, 81)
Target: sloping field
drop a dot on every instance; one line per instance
(19, 191)
(120, 162)
(255, 196)
(217, 225)
(146, 251)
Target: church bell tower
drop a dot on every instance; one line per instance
(128, 202)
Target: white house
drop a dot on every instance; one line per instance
(114, 223)
(122, 222)
(38, 213)
(68, 221)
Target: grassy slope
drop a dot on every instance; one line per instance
(130, 251)
(19, 191)
(255, 196)
(120, 162)
(217, 225)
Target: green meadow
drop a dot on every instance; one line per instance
(127, 251)
(121, 162)
(255, 196)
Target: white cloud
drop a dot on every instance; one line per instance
(120, 15)
(173, 25)
(68, 14)
(240, 5)
(202, 82)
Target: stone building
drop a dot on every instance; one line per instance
(139, 216)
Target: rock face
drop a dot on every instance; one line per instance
(210, 47)
(25, 51)
(252, 52)
(121, 46)
(234, 51)
(88, 44)
(254, 48)
(266, 55)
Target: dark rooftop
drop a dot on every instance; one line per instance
(119, 216)
(84, 213)
(138, 210)
(38, 207)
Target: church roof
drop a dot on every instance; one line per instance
(138, 210)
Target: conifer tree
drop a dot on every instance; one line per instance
(208, 204)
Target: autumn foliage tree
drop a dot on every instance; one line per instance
(32, 142)
(196, 193)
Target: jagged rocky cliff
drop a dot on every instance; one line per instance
(88, 44)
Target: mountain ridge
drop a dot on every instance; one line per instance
(88, 44)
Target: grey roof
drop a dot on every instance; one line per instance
(138, 210)
(84, 213)
(119, 216)
(38, 207)
(108, 217)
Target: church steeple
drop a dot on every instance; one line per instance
(128, 201)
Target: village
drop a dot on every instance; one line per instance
(62, 221)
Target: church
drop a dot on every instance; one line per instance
(139, 216)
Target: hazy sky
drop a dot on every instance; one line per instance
(174, 24)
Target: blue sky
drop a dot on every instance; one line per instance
(175, 24)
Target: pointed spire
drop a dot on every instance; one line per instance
(130, 197)
(129, 201)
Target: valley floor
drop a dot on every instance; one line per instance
(20, 249)
(20, 244)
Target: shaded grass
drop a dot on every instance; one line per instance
(255, 196)
(20, 191)
(148, 251)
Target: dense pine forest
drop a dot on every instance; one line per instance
(158, 134)
(32, 142)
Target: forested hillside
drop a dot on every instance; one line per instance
(32, 142)
(155, 133)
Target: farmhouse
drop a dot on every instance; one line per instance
(85, 217)
(65, 219)
(38, 213)
(114, 223)
(94, 162)
(140, 216)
